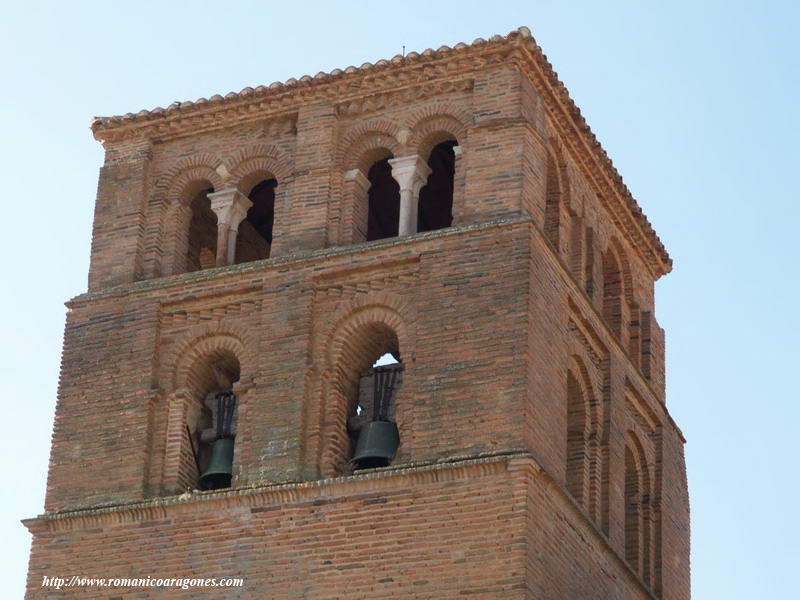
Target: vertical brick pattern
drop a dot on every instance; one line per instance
(101, 426)
(306, 227)
(119, 216)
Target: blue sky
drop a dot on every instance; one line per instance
(696, 103)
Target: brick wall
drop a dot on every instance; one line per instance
(491, 318)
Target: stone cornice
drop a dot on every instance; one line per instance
(356, 89)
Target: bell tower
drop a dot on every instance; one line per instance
(384, 331)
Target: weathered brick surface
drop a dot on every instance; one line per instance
(498, 490)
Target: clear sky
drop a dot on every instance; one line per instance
(695, 101)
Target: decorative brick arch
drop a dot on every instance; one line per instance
(256, 163)
(178, 183)
(638, 495)
(627, 277)
(616, 287)
(557, 200)
(202, 341)
(363, 328)
(196, 364)
(367, 143)
(363, 146)
(437, 123)
(398, 313)
(174, 193)
(584, 453)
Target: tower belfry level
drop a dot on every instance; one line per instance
(223, 412)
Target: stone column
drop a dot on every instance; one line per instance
(411, 173)
(231, 207)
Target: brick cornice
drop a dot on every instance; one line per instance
(331, 490)
(176, 281)
(255, 497)
(353, 91)
(593, 161)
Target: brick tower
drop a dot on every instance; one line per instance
(254, 255)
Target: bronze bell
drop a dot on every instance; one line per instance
(377, 444)
(218, 473)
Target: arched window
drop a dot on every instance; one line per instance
(362, 408)
(577, 458)
(254, 240)
(633, 515)
(584, 461)
(371, 422)
(383, 202)
(436, 198)
(612, 292)
(588, 266)
(553, 200)
(213, 425)
(638, 522)
(202, 246)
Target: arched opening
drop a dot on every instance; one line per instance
(371, 425)
(632, 510)
(612, 292)
(212, 426)
(361, 414)
(436, 197)
(588, 265)
(638, 523)
(577, 457)
(553, 200)
(202, 246)
(254, 240)
(383, 202)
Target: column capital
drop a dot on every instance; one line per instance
(230, 206)
(356, 176)
(411, 172)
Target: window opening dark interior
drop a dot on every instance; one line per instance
(202, 250)
(254, 240)
(436, 198)
(384, 202)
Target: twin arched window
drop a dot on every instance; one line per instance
(434, 201)
(210, 228)
(246, 240)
